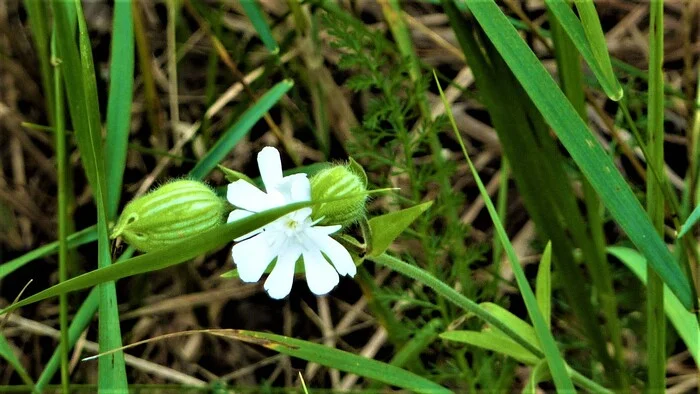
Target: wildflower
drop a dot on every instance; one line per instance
(288, 238)
(169, 214)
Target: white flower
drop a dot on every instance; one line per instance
(287, 238)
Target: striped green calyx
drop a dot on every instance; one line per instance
(339, 181)
(169, 214)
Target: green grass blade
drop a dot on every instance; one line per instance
(163, 258)
(7, 354)
(239, 129)
(586, 151)
(596, 42)
(81, 89)
(257, 18)
(656, 320)
(493, 341)
(40, 23)
(684, 321)
(690, 222)
(80, 238)
(543, 288)
(63, 218)
(556, 363)
(121, 74)
(344, 361)
(570, 24)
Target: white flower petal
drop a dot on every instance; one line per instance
(337, 254)
(244, 195)
(279, 283)
(295, 188)
(327, 230)
(252, 257)
(270, 166)
(238, 214)
(320, 275)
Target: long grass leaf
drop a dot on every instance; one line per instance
(80, 238)
(257, 18)
(121, 73)
(556, 363)
(239, 129)
(586, 151)
(8, 354)
(344, 361)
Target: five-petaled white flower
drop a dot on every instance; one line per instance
(287, 238)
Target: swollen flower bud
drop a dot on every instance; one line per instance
(339, 181)
(169, 214)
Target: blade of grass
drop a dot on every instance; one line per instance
(9, 355)
(593, 161)
(685, 322)
(82, 237)
(656, 320)
(596, 40)
(239, 129)
(257, 18)
(39, 23)
(63, 191)
(121, 73)
(79, 76)
(544, 284)
(556, 363)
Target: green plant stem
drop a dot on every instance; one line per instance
(62, 169)
(470, 306)
(656, 320)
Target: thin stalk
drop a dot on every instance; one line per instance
(656, 320)
(63, 227)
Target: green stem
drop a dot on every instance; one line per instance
(62, 164)
(656, 320)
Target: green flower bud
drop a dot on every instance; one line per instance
(169, 214)
(339, 181)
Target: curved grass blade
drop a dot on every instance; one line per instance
(74, 240)
(556, 363)
(586, 151)
(690, 222)
(121, 72)
(493, 341)
(7, 353)
(342, 360)
(257, 18)
(543, 288)
(163, 258)
(685, 322)
(596, 40)
(239, 129)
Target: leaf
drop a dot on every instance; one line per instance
(587, 36)
(239, 129)
(690, 222)
(684, 321)
(82, 237)
(494, 341)
(7, 353)
(509, 319)
(257, 18)
(594, 162)
(543, 287)
(386, 228)
(163, 258)
(357, 169)
(233, 176)
(344, 361)
(121, 73)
